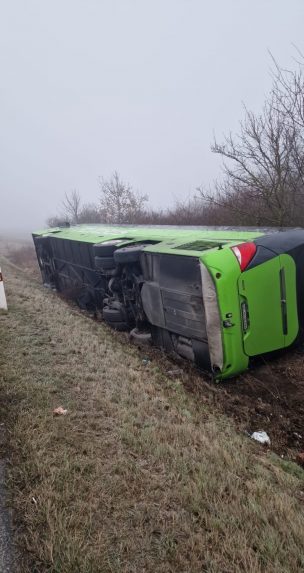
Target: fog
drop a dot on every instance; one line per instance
(137, 86)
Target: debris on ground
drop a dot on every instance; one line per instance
(60, 411)
(261, 437)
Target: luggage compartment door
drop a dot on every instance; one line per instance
(261, 295)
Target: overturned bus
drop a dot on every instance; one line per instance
(217, 298)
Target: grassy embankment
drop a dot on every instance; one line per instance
(139, 475)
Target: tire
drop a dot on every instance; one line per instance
(111, 315)
(140, 337)
(128, 254)
(104, 263)
(85, 301)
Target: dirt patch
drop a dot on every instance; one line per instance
(270, 397)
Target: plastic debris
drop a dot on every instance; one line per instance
(60, 411)
(261, 437)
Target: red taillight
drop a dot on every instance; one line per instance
(244, 254)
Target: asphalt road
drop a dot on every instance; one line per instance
(6, 547)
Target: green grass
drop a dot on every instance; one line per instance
(288, 466)
(140, 476)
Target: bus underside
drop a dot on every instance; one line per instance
(155, 296)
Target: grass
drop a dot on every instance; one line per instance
(22, 254)
(139, 476)
(289, 466)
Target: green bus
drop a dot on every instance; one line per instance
(215, 297)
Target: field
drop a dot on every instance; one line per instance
(151, 469)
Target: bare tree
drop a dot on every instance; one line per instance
(264, 164)
(89, 213)
(289, 90)
(71, 205)
(118, 202)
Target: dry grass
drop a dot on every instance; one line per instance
(23, 255)
(139, 476)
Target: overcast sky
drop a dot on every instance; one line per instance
(137, 86)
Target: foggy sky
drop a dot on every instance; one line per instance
(137, 86)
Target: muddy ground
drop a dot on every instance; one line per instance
(269, 397)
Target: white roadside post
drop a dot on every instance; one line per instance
(3, 303)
